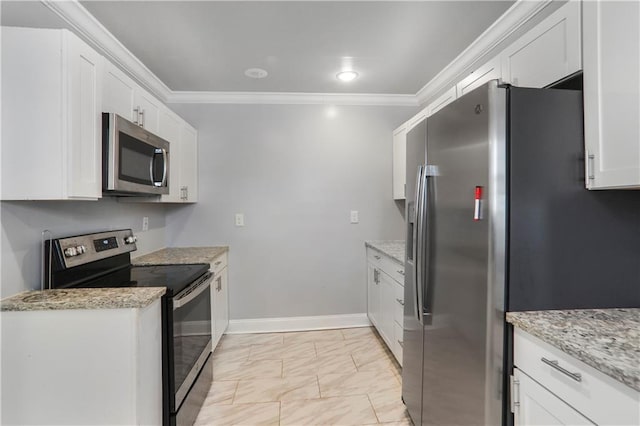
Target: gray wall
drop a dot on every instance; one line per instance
(23, 222)
(295, 172)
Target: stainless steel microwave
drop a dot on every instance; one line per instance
(134, 161)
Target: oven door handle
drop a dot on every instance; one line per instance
(192, 292)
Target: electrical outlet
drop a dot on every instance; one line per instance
(239, 219)
(354, 216)
(145, 223)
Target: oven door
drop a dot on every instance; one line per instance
(134, 160)
(191, 335)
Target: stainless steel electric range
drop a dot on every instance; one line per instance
(103, 260)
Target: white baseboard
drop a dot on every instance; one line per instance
(271, 325)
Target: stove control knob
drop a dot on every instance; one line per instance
(70, 252)
(130, 239)
(81, 249)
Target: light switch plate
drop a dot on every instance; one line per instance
(145, 223)
(239, 219)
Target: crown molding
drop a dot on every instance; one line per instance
(86, 25)
(503, 27)
(292, 98)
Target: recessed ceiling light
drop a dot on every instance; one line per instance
(347, 75)
(256, 73)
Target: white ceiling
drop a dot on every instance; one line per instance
(397, 47)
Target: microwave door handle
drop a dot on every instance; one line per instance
(164, 167)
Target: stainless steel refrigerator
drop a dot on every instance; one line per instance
(498, 219)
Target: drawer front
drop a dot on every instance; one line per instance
(597, 396)
(393, 269)
(219, 263)
(397, 342)
(374, 257)
(398, 312)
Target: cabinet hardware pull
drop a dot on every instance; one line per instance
(590, 160)
(218, 262)
(554, 363)
(515, 396)
(377, 257)
(219, 286)
(376, 276)
(401, 272)
(137, 119)
(400, 301)
(142, 118)
(401, 343)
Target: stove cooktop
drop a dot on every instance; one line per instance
(174, 277)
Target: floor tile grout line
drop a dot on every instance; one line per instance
(375, 413)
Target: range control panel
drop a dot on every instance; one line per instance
(81, 249)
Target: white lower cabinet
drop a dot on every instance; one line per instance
(385, 294)
(219, 299)
(82, 366)
(549, 387)
(537, 406)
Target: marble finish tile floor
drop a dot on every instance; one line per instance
(329, 377)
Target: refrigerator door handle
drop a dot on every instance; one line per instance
(417, 245)
(428, 213)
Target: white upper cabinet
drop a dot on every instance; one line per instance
(118, 89)
(127, 99)
(442, 101)
(611, 37)
(487, 72)
(548, 52)
(188, 164)
(169, 128)
(399, 162)
(51, 124)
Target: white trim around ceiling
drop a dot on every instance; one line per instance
(79, 18)
(516, 16)
(293, 98)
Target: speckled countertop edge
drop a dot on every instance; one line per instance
(180, 255)
(606, 339)
(391, 248)
(82, 298)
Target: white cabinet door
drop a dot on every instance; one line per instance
(547, 53)
(221, 304)
(169, 128)
(611, 42)
(416, 119)
(387, 308)
(118, 92)
(51, 133)
(148, 109)
(535, 405)
(399, 163)
(84, 127)
(442, 101)
(487, 72)
(373, 294)
(189, 164)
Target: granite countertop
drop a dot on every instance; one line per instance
(392, 248)
(606, 339)
(83, 298)
(179, 255)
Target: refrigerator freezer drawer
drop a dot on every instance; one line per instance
(598, 397)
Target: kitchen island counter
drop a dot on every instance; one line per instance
(391, 248)
(606, 339)
(83, 298)
(180, 255)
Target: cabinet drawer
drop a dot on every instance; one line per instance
(597, 396)
(396, 348)
(393, 269)
(398, 311)
(374, 257)
(219, 263)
